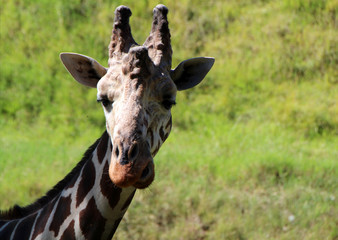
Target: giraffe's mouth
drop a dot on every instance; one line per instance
(139, 174)
(147, 176)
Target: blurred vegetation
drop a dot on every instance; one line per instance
(252, 146)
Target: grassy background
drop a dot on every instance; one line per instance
(253, 152)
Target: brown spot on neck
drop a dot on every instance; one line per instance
(108, 189)
(69, 233)
(24, 228)
(7, 232)
(92, 223)
(43, 218)
(87, 182)
(102, 147)
(62, 211)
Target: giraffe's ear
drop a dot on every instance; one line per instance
(85, 70)
(191, 72)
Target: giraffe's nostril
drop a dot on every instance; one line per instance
(117, 152)
(145, 172)
(133, 152)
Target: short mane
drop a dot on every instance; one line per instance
(18, 212)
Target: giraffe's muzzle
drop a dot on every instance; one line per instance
(131, 165)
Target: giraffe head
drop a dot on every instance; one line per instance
(137, 91)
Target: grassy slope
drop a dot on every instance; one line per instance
(254, 157)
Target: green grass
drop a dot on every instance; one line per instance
(34, 160)
(253, 152)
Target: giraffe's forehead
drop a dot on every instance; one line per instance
(154, 85)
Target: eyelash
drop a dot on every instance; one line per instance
(105, 102)
(168, 104)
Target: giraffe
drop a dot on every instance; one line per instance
(136, 91)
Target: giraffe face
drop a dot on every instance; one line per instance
(137, 91)
(136, 97)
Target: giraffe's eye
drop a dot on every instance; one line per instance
(168, 103)
(105, 101)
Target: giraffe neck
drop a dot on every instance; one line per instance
(89, 206)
